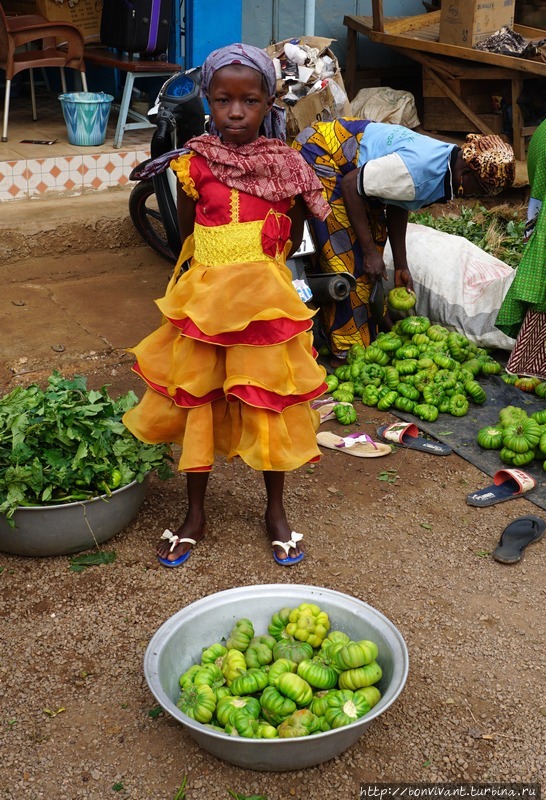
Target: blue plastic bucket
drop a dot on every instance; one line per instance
(86, 115)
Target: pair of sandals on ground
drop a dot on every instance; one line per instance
(507, 484)
(289, 561)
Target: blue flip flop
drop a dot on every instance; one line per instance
(175, 540)
(406, 434)
(508, 484)
(289, 561)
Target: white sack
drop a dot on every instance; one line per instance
(458, 284)
(383, 104)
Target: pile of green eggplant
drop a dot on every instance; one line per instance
(298, 679)
(518, 436)
(417, 367)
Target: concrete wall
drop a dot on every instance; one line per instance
(265, 21)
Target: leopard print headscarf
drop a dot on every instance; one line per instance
(491, 159)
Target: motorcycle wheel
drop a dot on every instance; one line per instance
(147, 219)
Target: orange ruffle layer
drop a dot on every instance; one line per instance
(231, 370)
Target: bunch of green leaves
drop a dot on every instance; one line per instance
(67, 443)
(498, 231)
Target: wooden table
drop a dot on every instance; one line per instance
(417, 38)
(101, 56)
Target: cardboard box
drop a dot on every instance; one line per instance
(321, 105)
(84, 14)
(467, 22)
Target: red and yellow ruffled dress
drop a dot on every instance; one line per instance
(232, 369)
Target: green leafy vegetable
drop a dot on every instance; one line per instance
(67, 443)
(79, 563)
(498, 231)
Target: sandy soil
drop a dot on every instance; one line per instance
(77, 719)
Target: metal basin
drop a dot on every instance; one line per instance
(180, 640)
(71, 527)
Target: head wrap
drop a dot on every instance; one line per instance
(274, 124)
(491, 159)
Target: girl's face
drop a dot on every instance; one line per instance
(238, 102)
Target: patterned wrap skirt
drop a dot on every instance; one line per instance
(331, 148)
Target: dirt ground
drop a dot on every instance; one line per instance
(77, 719)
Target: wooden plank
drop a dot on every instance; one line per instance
(520, 65)
(530, 33)
(378, 19)
(441, 114)
(412, 24)
(464, 88)
(351, 64)
(518, 140)
(461, 105)
(479, 103)
(431, 88)
(466, 71)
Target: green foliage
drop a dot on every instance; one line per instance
(81, 562)
(498, 231)
(66, 443)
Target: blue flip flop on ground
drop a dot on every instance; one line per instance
(417, 443)
(508, 490)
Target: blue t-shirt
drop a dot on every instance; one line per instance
(426, 159)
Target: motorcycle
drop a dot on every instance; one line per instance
(179, 114)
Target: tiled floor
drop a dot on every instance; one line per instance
(36, 170)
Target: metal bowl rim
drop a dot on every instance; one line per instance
(151, 657)
(57, 506)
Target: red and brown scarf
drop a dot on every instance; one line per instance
(265, 168)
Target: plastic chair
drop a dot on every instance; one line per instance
(23, 31)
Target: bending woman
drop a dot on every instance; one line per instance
(373, 174)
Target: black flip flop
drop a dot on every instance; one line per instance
(516, 536)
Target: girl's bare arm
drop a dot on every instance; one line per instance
(186, 214)
(297, 215)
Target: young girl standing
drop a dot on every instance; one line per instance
(232, 369)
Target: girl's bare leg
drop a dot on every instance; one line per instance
(276, 524)
(194, 523)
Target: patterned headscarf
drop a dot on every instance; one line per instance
(491, 159)
(274, 124)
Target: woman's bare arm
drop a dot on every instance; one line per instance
(397, 226)
(374, 265)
